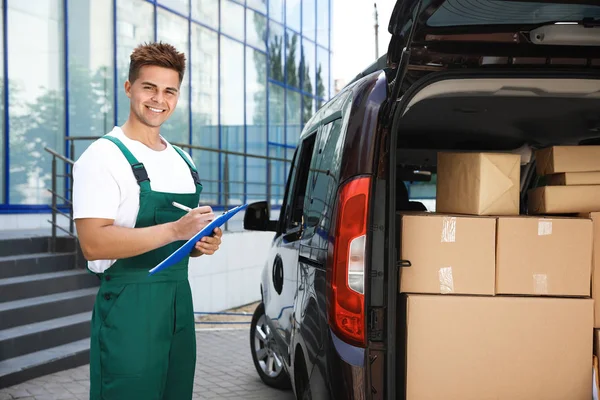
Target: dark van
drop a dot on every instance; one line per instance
(468, 75)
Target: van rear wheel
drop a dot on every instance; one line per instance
(266, 360)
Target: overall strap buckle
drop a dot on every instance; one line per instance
(140, 173)
(196, 177)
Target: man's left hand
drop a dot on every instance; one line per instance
(208, 245)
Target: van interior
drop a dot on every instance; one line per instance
(492, 115)
(517, 116)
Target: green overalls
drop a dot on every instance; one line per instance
(143, 343)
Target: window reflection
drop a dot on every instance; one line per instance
(36, 107)
(256, 113)
(276, 52)
(232, 110)
(308, 18)
(276, 10)
(322, 76)
(2, 88)
(256, 179)
(91, 83)
(307, 67)
(256, 101)
(308, 108)
(323, 22)
(294, 117)
(232, 19)
(206, 11)
(292, 62)
(256, 29)
(277, 140)
(256, 124)
(293, 14)
(205, 107)
(259, 5)
(181, 6)
(135, 21)
(173, 29)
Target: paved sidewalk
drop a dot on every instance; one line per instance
(224, 371)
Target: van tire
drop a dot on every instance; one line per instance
(301, 378)
(279, 380)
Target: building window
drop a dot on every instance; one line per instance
(205, 108)
(232, 117)
(323, 22)
(293, 14)
(2, 127)
(256, 30)
(249, 90)
(37, 96)
(91, 73)
(308, 19)
(322, 75)
(135, 25)
(292, 62)
(206, 12)
(173, 29)
(181, 6)
(232, 19)
(276, 10)
(276, 52)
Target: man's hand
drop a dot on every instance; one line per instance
(208, 245)
(193, 222)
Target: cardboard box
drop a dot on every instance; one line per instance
(478, 183)
(501, 348)
(596, 267)
(448, 254)
(552, 160)
(574, 178)
(564, 199)
(597, 342)
(544, 256)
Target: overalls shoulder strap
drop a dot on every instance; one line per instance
(139, 171)
(193, 169)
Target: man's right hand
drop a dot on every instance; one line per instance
(193, 222)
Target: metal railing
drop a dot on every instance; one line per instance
(62, 202)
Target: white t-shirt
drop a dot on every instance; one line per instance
(105, 187)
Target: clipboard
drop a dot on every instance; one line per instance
(187, 247)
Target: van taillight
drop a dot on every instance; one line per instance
(347, 272)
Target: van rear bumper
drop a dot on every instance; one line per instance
(339, 372)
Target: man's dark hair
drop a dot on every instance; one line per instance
(156, 54)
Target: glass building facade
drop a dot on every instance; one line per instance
(257, 71)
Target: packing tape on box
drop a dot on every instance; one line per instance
(540, 284)
(446, 280)
(544, 227)
(449, 230)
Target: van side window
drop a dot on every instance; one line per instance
(323, 180)
(298, 184)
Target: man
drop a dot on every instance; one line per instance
(143, 343)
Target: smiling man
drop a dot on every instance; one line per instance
(143, 343)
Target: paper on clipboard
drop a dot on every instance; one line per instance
(187, 247)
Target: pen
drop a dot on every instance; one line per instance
(181, 206)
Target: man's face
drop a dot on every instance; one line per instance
(153, 95)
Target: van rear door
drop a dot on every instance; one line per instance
(437, 35)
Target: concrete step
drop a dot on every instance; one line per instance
(11, 246)
(36, 309)
(20, 369)
(36, 263)
(23, 287)
(21, 340)
(30, 245)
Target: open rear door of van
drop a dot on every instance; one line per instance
(437, 35)
(431, 36)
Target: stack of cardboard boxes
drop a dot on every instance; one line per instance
(497, 304)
